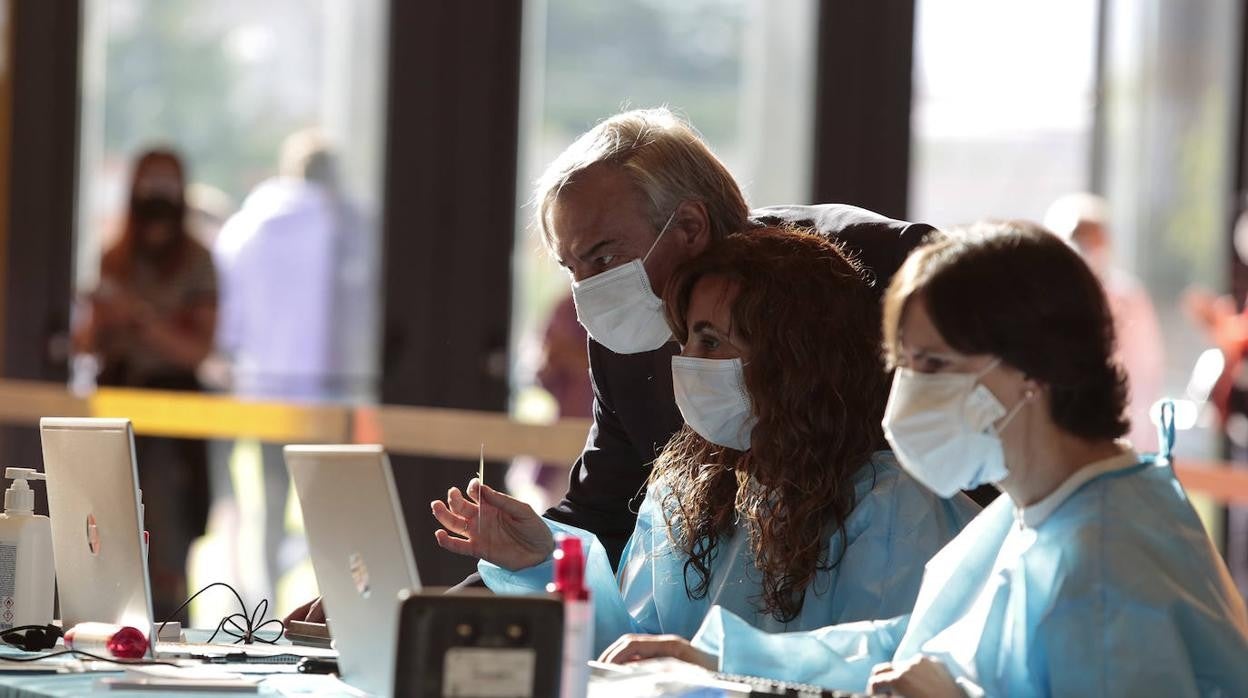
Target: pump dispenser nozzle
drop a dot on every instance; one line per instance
(19, 498)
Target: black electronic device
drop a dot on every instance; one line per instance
(477, 643)
(32, 638)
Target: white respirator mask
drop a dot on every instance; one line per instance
(618, 307)
(713, 400)
(945, 429)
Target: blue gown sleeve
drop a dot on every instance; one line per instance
(838, 656)
(611, 617)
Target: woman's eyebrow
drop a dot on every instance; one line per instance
(924, 353)
(705, 325)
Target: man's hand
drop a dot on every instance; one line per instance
(311, 612)
(921, 677)
(634, 648)
(488, 524)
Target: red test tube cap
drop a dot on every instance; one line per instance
(569, 575)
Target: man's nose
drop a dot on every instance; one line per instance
(580, 272)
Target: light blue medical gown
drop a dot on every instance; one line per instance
(1119, 592)
(895, 528)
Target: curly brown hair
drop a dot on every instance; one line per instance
(817, 387)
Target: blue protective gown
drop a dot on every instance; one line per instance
(895, 528)
(1115, 590)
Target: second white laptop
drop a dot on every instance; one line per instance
(357, 538)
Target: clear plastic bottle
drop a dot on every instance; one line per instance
(27, 574)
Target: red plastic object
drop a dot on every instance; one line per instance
(128, 643)
(121, 641)
(569, 569)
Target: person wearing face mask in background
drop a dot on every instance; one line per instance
(149, 324)
(776, 500)
(1092, 577)
(1082, 220)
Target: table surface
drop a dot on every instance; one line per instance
(18, 685)
(286, 683)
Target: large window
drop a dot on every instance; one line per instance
(223, 83)
(1006, 97)
(289, 224)
(1003, 107)
(1170, 85)
(739, 70)
(1171, 81)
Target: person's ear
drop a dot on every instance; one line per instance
(1032, 388)
(693, 226)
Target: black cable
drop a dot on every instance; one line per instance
(246, 633)
(98, 658)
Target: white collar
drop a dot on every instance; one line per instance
(1036, 514)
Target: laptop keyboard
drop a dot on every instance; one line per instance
(760, 686)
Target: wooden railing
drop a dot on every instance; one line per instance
(422, 431)
(419, 431)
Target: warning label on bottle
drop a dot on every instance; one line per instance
(8, 583)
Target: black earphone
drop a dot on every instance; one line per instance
(32, 638)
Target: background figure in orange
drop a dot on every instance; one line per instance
(1083, 221)
(1227, 328)
(149, 323)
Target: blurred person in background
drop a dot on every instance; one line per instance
(293, 294)
(1082, 220)
(1227, 328)
(563, 371)
(149, 324)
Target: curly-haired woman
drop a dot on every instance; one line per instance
(776, 500)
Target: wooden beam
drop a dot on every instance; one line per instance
(449, 433)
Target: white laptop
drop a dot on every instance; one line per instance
(97, 530)
(357, 538)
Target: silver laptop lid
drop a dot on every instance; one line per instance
(97, 537)
(357, 538)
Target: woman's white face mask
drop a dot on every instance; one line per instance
(618, 307)
(713, 400)
(945, 429)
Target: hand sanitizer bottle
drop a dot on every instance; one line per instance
(27, 574)
(578, 616)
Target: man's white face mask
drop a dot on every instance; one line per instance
(945, 429)
(713, 400)
(619, 309)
